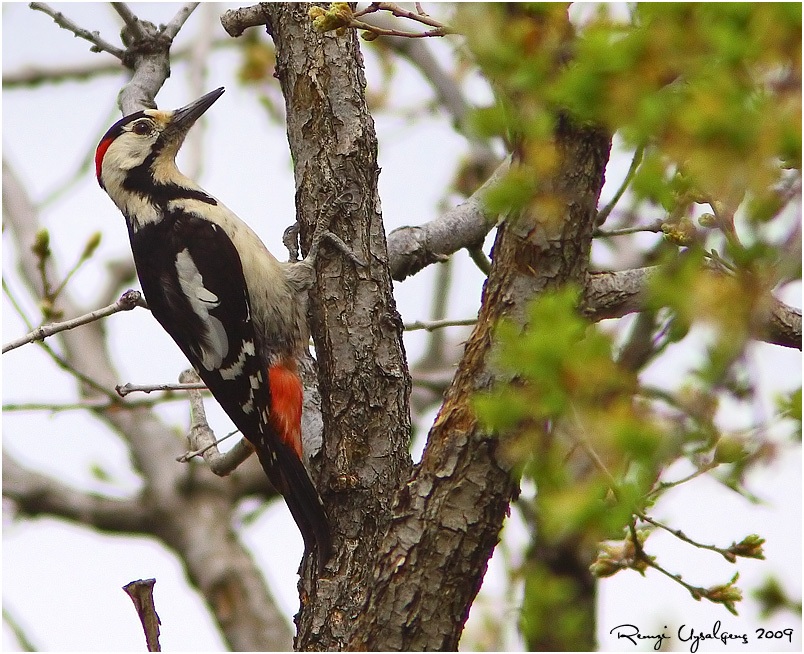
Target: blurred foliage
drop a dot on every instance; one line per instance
(710, 96)
(713, 87)
(772, 598)
(570, 392)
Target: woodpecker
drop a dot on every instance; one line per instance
(235, 312)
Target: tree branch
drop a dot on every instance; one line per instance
(98, 44)
(132, 22)
(412, 248)
(32, 75)
(128, 301)
(141, 593)
(202, 438)
(432, 325)
(236, 21)
(616, 294)
(177, 22)
(36, 494)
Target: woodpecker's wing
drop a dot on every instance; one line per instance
(192, 277)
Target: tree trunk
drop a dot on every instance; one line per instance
(363, 375)
(447, 519)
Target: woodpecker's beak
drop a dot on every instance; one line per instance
(183, 119)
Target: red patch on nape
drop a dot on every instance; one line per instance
(99, 154)
(286, 404)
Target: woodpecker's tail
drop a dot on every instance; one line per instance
(289, 476)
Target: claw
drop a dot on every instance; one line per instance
(290, 239)
(322, 232)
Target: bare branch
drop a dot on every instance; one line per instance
(36, 494)
(604, 213)
(141, 593)
(432, 325)
(177, 22)
(33, 75)
(95, 404)
(25, 643)
(202, 438)
(131, 21)
(616, 294)
(381, 31)
(400, 12)
(125, 389)
(655, 227)
(340, 16)
(128, 301)
(412, 248)
(98, 44)
(236, 21)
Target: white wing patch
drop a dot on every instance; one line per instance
(215, 344)
(236, 369)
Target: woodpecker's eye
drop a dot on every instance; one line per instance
(142, 127)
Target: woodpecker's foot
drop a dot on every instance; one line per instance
(322, 233)
(339, 245)
(290, 239)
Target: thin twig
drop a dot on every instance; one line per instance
(714, 594)
(603, 214)
(401, 12)
(125, 389)
(665, 485)
(729, 556)
(60, 361)
(33, 75)
(98, 44)
(65, 365)
(431, 325)
(128, 301)
(100, 405)
(381, 31)
(653, 227)
(480, 259)
(16, 305)
(184, 458)
(19, 633)
(177, 22)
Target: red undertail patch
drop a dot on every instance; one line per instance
(286, 404)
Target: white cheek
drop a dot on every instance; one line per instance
(127, 153)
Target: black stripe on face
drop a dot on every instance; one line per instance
(140, 180)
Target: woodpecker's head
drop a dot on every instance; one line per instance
(138, 152)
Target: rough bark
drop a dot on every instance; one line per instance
(447, 519)
(363, 376)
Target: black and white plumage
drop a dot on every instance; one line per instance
(235, 311)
